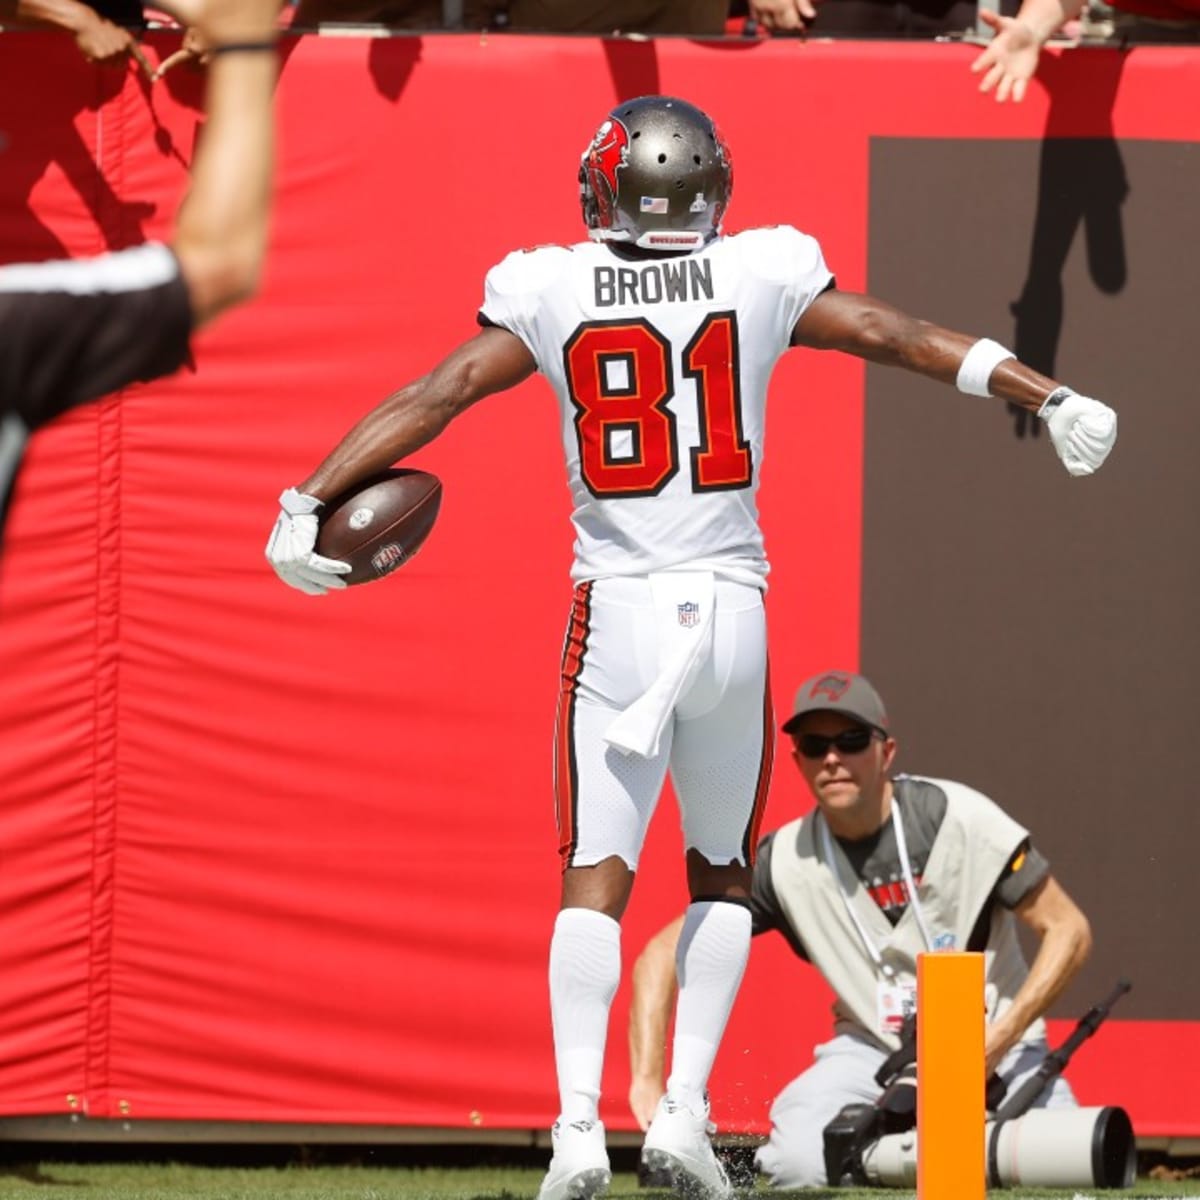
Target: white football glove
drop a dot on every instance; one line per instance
(290, 547)
(1083, 430)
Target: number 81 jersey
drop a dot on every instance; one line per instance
(660, 366)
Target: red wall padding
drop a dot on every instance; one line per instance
(273, 858)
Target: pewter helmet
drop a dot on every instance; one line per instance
(657, 174)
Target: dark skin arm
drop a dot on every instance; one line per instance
(494, 360)
(874, 330)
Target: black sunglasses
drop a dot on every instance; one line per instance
(849, 741)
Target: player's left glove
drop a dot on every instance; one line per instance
(290, 547)
(1083, 430)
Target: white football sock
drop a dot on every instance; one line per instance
(709, 963)
(585, 968)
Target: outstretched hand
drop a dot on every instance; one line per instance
(193, 50)
(1009, 60)
(1083, 430)
(291, 548)
(215, 22)
(102, 42)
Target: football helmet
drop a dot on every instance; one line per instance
(657, 174)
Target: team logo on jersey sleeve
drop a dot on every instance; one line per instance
(607, 154)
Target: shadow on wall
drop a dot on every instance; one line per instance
(68, 89)
(1081, 181)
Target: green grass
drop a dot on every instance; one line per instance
(55, 1180)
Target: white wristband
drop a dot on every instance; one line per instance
(977, 367)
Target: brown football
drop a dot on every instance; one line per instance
(380, 524)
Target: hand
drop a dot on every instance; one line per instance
(780, 15)
(290, 547)
(1083, 430)
(644, 1095)
(102, 42)
(1010, 59)
(193, 50)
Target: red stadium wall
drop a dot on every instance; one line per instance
(271, 858)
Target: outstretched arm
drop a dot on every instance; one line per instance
(654, 987)
(99, 39)
(1066, 942)
(492, 361)
(1083, 430)
(221, 229)
(1009, 61)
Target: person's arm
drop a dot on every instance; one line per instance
(1082, 430)
(492, 361)
(221, 228)
(1009, 61)
(195, 49)
(1065, 943)
(98, 39)
(654, 987)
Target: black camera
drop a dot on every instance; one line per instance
(857, 1127)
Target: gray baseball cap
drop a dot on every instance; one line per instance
(839, 692)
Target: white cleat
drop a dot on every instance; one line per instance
(679, 1143)
(579, 1167)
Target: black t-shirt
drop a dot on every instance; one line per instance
(73, 331)
(876, 859)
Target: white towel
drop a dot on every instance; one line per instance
(683, 610)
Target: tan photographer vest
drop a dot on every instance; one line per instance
(973, 845)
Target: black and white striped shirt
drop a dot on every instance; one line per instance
(71, 331)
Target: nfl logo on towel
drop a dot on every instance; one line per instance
(689, 613)
(654, 204)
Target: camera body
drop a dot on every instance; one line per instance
(857, 1127)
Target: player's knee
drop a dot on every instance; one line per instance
(716, 880)
(793, 1160)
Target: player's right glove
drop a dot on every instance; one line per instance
(290, 547)
(1083, 430)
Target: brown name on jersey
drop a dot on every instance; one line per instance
(655, 283)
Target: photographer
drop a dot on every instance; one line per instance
(839, 884)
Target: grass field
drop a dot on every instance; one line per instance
(46, 1179)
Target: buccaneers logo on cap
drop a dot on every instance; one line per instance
(607, 154)
(833, 686)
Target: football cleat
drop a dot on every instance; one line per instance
(679, 1142)
(579, 1166)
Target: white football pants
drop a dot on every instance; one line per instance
(692, 649)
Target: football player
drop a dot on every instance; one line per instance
(658, 336)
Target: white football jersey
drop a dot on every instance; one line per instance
(661, 368)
